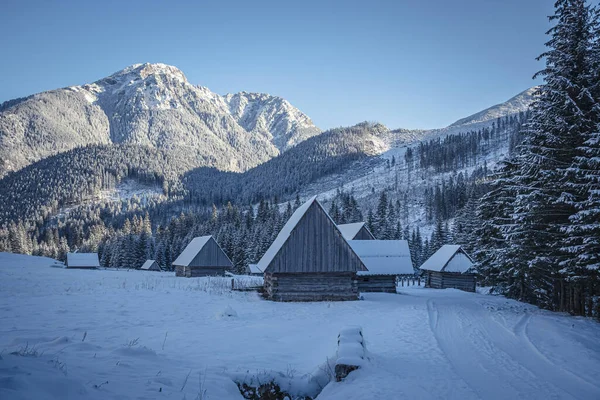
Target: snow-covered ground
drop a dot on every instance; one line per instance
(105, 334)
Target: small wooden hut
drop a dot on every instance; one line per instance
(202, 257)
(150, 265)
(356, 231)
(449, 267)
(310, 260)
(254, 270)
(83, 260)
(385, 260)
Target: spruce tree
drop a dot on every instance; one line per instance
(558, 124)
(583, 234)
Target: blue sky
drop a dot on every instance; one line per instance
(405, 63)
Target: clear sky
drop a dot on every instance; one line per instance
(405, 63)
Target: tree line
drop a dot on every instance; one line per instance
(539, 233)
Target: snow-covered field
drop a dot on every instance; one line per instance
(104, 334)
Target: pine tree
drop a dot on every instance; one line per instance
(440, 235)
(583, 234)
(334, 212)
(381, 218)
(496, 266)
(559, 122)
(371, 223)
(466, 223)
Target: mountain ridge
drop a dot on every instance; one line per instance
(154, 105)
(513, 105)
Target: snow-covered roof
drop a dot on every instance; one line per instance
(191, 250)
(148, 264)
(449, 258)
(83, 260)
(254, 269)
(383, 257)
(349, 231)
(284, 233)
(287, 229)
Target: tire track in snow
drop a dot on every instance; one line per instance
(433, 316)
(556, 375)
(491, 360)
(520, 331)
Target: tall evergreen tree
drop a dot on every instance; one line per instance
(560, 120)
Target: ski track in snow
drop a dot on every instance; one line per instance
(151, 335)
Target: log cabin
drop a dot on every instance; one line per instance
(150, 265)
(83, 260)
(356, 231)
(385, 261)
(310, 260)
(450, 267)
(202, 257)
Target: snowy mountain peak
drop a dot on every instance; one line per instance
(153, 105)
(259, 111)
(514, 105)
(145, 70)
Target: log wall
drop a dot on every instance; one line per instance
(311, 287)
(445, 280)
(377, 283)
(194, 272)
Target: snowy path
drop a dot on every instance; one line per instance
(426, 344)
(498, 362)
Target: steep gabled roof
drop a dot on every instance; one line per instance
(284, 234)
(194, 248)
(191, 250)
(254, 269)
(289, 227)
(384, 257)
(449, 258)
(150, 264)
(349, 231)
(83, 260)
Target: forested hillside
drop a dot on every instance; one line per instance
(56, 204)
(68, 213)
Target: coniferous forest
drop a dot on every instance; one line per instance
(539, 238)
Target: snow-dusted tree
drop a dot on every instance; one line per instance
(494, 262)
(466, 223)
(440, 235)
(583, 232)
(559, 122)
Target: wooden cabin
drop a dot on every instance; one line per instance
(150, 265)
(356, 231)
(310, 260)
(253, 269)
(83, 260)
(449, 267)
(385, 261)
(202, 257)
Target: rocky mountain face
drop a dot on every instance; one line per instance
(152, 105)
